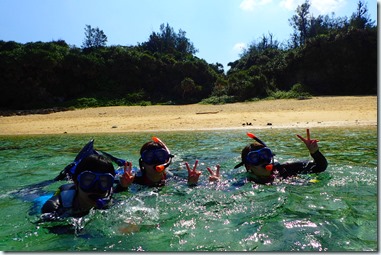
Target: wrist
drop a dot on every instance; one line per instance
(313, 152)
(124, 183)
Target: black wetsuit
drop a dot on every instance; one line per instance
(319, 164)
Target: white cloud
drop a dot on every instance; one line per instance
(317, 6)
(239, 47)
(327, 6)
(290, 4)
(248, 5)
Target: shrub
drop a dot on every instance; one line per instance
(219, 100)
(85, 102)
(297, 91)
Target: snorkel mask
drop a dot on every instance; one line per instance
(90, 181)
(259, 157)
(160, 157)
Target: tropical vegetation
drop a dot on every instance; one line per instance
(325, 55)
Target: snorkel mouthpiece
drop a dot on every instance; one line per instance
(269, 167)
(100, 203)
(160, 168)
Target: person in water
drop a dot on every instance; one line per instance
(155, 158)
(92, 187)
(258, 160)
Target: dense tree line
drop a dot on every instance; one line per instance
(324, 56)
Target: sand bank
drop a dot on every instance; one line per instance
(284, 113)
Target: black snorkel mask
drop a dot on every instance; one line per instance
(259, 157)
(97, 184)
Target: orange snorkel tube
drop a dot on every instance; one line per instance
(268, 167)
(161, 168)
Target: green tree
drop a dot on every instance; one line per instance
(94, 38)
(361, 18)
(168, 42)
(188, 87)
(300, 23)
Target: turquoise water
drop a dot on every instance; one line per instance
(336, 211)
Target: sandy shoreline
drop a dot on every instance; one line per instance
(285, 113)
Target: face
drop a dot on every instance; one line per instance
(93, 186)
(259, 170)
(151, 173)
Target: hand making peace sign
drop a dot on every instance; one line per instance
(312, 145)
(127, 178)
(193, 174)
(214, 176)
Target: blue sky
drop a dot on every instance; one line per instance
(219, 29)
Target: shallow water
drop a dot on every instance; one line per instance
(333, 211)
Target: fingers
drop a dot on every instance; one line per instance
(301, 138)
(195, 165)
(218, 170)
(128, 167)
(188, 168)
(128, 177)
(308, 136)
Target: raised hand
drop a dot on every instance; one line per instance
(214, 176)
(312, 145)
(127, 178)
(193, 174)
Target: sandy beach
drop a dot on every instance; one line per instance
(283, 113)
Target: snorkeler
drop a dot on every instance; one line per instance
(155, 158)
(258, 160)
(92, 187)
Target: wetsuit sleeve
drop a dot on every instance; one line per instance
(319, 164)
(51, 205)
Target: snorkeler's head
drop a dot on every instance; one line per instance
(95, 173)
(151, 145)
(256, 154)
(155, 153)
(95, 163)
(255, 146)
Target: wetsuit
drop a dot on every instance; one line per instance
(61, 204)
(319, 164)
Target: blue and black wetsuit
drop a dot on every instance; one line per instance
(61, 203)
